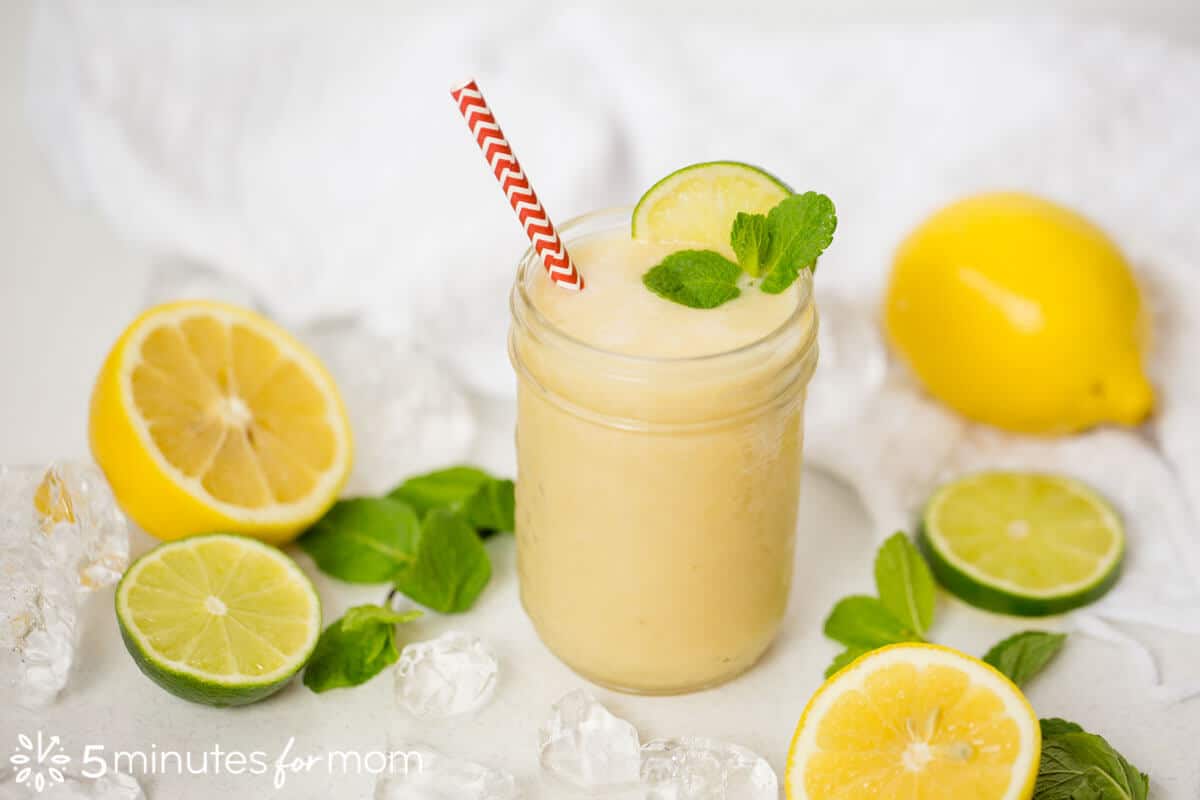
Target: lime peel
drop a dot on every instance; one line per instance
(698, 203)
(997, 540)
(264, 604)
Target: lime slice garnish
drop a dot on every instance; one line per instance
(697, 204)
(1022, 543)
(218, 619)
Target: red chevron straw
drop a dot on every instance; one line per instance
(520, 194)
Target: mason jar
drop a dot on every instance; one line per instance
(656, 497)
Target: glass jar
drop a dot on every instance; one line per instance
(656, 497)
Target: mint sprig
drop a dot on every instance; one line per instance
(773, 247)
(863, 622)
(424, 538)
(902, 612)
(492, 509)
(1022, 656)
(1077, 765)
(451, 566)
(355, 648)
(1053, 726)
(905, 584)
(695, 278)
(443, 488)
(799, 229)
(486, 501)
(750, 239)
(364, 539)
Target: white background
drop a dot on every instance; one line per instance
(67, 287)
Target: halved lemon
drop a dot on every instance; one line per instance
(697, 204)
(218, 619)
(917, 721)
(1022, 543)
(208, 417)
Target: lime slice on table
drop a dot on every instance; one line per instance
(697, 204)
(218, 619)
(1022, 543)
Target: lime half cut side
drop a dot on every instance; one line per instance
(218, 619)
(697, 204)
(1022, 543)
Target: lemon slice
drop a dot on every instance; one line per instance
(1022, 543)
(221, 620)
(916, 721)
(208, 417)
(697, 204)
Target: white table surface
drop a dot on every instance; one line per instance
(67, 287)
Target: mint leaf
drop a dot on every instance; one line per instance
(451, 566)
(486, 500)
(443, 488)
(695, 278)
(492, 508)
(905, 584)
(363, 540)
(749, 239)
(902, 612)
(361, 617)
(1025, 654)
(843, 659)
(1077, 765)
(864, 622)
(355, 648)
(800, 228)
(1053, 726)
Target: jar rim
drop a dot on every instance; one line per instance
(522, 306)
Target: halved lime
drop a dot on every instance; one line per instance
(1022, 543)
(697, 204)
(218, 619)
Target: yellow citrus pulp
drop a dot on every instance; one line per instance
(208, 417)
(1022, 314)
(919, 722)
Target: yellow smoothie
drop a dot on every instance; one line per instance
(659, 453)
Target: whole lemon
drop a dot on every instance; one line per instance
(1020, 313)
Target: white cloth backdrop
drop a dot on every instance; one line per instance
(318, 157)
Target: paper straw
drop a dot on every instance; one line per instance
(520, 194)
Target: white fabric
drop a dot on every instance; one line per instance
(320, 158)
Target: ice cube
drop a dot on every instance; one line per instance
(694, 768)
(183, 279)
(47, 781)
(60, 533)
(407, 414)
(585, 745)
(75, 508)
(450, 675)
(417, 772)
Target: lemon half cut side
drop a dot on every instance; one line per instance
(208, 417)
(917, 721)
